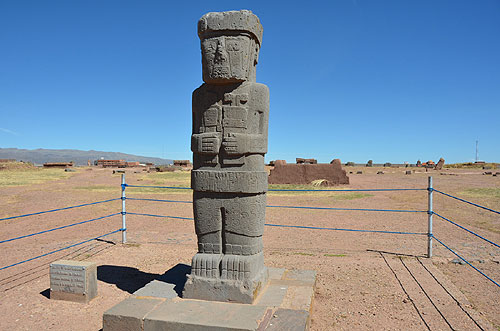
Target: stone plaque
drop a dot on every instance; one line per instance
(73, 280)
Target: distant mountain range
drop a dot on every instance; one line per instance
(41, 156)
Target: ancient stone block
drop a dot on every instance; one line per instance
(439, 165)
(229, 140)
(129, 314)
(73, 280)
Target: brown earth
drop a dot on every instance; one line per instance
(365, 280)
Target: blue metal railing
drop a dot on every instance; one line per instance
(429, 212)
(58, 209)
(60, 249)
(123, 198)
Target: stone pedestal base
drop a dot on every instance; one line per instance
(283, 304)
(225, 290)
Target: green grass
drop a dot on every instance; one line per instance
(31, 176)
(180, 178)
(303, 254)
(471, 165)
(489, 192)
(334, 255)
(335, 195)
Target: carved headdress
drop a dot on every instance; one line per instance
(243, 21)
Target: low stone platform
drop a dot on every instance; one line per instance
(284, 304)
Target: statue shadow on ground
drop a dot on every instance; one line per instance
(132, 279)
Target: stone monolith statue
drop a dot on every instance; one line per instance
(229, 141)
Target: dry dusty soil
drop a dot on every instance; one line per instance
(365, 280)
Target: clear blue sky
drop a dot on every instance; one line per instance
(391, 81)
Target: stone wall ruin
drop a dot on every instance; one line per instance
(304, 174)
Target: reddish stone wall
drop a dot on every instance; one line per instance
(305, 173)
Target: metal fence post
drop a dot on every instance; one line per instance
(124, 221)
(429, 215)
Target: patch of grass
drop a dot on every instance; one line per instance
(304, 254)
(350, 195)
(487, 192)
(334, 255)
(22, 177)
(316, 190)
(132, 245)
(99, 188)
(471, 165)
(180, 178)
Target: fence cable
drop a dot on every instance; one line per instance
(58, 209)
(482, 273)
(461, 227)
(295, 190)
(61, 249)
(297, 207)
(291, 226)
(470, 203)
(59, 228)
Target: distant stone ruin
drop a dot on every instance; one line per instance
(183, 163)
(305, 161)
(58, 164)
(440, 164)
(284, 173)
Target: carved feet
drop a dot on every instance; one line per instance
(233, 267)
(206, 265)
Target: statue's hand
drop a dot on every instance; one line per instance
(235, 144)
(206, 143)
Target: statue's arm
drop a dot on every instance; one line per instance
(254, 143)
(202, 142)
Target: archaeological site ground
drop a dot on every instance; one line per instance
(365, 280)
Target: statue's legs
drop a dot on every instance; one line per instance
(242, 230)
(208, 226)
(229, 230)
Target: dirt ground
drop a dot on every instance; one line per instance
(365, 280)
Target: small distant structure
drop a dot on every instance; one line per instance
(419, 163)
(111, 163)
(58, 164)
(305, 173)
(183, 163)
(300, 160)
(132, 164)
(429, 164)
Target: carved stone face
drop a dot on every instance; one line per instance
(228, 59)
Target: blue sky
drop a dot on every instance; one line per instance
(391, 81)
